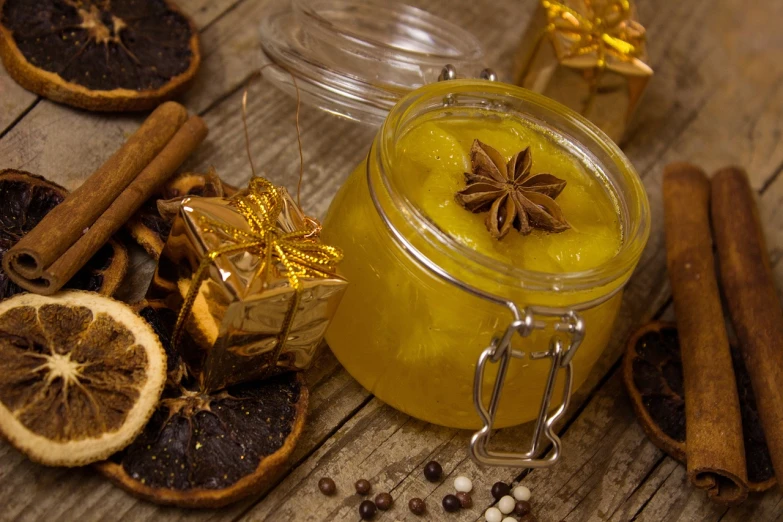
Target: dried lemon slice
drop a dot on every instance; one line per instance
(81, 375)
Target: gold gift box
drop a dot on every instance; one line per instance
(588, 55)
(235, 328)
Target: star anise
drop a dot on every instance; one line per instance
(513, 197)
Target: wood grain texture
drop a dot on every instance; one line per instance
(14, 101)
(716, 99)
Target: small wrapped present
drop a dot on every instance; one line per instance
(254, 287)
(590, 56)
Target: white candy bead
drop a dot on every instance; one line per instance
(521, 493)
(506, 504)
(510, 519)
(463, 484)
(493, 514)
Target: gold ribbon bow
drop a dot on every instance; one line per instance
(597, 33)
(298, 254)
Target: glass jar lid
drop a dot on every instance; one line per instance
(357, 58)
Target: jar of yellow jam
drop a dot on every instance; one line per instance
(417, 316)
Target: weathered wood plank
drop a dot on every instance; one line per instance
(716, 95)
(606, 455)
(205, 12)
(14, 101)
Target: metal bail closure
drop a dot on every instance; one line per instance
(569, 332)
(449, 72)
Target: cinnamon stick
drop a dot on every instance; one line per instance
(148, 182)
(161, 167)
(63, 226)
(713, 431)
(753, 303)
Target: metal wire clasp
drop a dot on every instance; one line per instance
(449, 72)
(569, 332)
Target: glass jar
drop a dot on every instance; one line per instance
(423, 306)
(357, 58)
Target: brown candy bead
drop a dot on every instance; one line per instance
(465, 500)
(384, 501)
(417, 506)
(327, 486)
(451, 503)
(433, 471)
(500, 490)
(367, 510)
(522, 508)
(363, 486)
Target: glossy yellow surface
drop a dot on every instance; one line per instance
(436, 153)
(412, 339)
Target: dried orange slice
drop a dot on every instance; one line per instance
(160, 318)
(26, 199)
(119, 55)
(151, 225)
(81, 376)
(210, 449)
(652, 371)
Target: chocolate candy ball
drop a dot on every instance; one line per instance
(451, 503)
(417, 506)
(465, 500)
(367, 510)
(433, 471)
(500, 490)
(522, 508)
(363, 486)
(327, 486)
(383, 501)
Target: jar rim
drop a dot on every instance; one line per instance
(637, 219)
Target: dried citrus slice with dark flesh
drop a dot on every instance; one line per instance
(82, 374)
(161, 318)
(652, 371)
(151, 225)
(26, 199)
(101, 55)
(208, 450)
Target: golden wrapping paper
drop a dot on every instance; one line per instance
(590, 56)
(266, 287)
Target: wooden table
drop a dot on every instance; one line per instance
(716, 99)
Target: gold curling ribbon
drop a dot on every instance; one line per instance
(603, 35)
(299, 252)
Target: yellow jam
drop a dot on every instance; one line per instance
(434, 154)
(413, 339)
